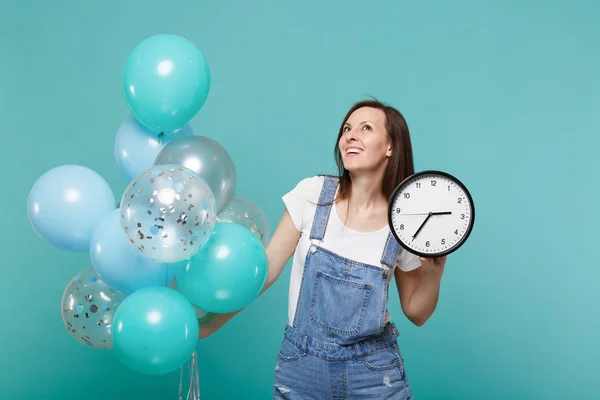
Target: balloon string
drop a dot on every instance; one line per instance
(194, 382)
(194, 393)
(181, 383)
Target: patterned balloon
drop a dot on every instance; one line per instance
(168, 212)
(244, 212)
(88, 308)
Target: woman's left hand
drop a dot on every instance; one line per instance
(433, 264)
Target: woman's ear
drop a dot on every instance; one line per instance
(389, 151)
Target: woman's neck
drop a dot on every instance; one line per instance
(365, 192)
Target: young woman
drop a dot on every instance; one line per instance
(339, 340)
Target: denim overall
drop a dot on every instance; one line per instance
(340, 346)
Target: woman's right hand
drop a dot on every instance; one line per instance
(279, 250)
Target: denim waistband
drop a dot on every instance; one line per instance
(333, 351)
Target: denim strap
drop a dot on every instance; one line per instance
(319, 225)
(390, 251)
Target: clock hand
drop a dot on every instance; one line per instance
(422, 225)
(442, 213)
(432, 213)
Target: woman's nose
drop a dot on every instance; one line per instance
(350, 135)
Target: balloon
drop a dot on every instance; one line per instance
(244, 212)
(168, 213)
(201, 314)
(208, 159)
(227, 273)
(166, 80)
(156, 331)
(88, 309)
(136, 146)
(66, 204)
(119, 265)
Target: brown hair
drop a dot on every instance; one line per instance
(400, 165)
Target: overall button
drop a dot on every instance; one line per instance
(313, 249)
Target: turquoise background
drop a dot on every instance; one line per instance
(503, 94)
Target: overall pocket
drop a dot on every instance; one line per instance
(288, 351)
(339, 305)
(384, 360)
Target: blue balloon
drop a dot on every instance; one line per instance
(119, 265)
(67, 203)
(136, 146)
(155, 331)
(228, 273)
(166, 80)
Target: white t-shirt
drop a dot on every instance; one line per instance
(365, 247)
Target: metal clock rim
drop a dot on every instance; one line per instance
(469, 199)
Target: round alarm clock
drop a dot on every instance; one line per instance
(431, 213)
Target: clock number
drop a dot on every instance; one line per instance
(456, 232)
(448, 188)
(407, 195)
(433, 183)
(462, 216)
(397, 210)
(443, 241)
(401, 227)
(418, 185)
(459, 200)
(427, 243)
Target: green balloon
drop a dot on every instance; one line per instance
(166, 80)
(227, 273)
(155, 330)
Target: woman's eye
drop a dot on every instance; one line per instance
(368, 127)
(346, 129)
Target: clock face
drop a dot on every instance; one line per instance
(431, 213)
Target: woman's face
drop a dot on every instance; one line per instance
(364, 144)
